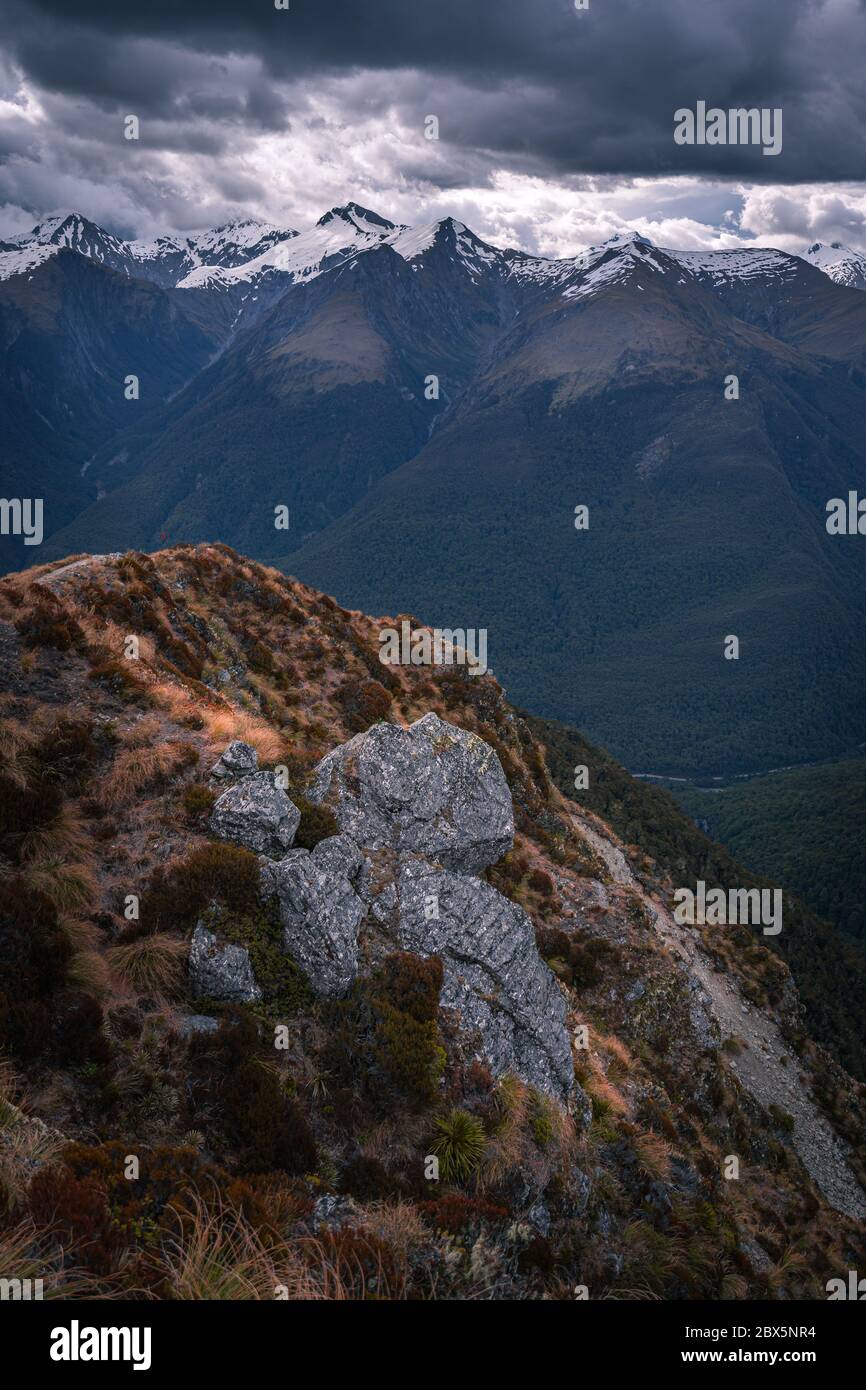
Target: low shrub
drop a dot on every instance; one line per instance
(317, 823)
(384, 1043)
(269, 1127)
(364, 703)
(181, 891)
(454, 1212)
(197, 801)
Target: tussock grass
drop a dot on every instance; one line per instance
(63, 838)
(215, 1255)
(136, 769)
(653, 1155)
(71, 887)
(225, 725)
(23, 1255)
(152, 964)
(143, 733)
(88, 970)
(15, 745)
(24, 1144)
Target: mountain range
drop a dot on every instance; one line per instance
(426, 411)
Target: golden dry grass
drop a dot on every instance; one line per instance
(144, 732)
(25, 1143)
(225, 725)
(65, 837)
(72, 887)
(88, 970)
(15, 744)
(216, 1255)
(136, 769)
(653, 1154)
(151, 963)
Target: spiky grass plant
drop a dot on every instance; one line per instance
(459, 1145)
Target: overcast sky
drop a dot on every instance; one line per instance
(556, 124)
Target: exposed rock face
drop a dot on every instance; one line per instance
(256, 814)
(493, 976)
(195, 1024)
(432, 788)
(238, 760)
(320, 912)
(221, 970)
(421, 811)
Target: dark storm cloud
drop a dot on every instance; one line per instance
(532, 81)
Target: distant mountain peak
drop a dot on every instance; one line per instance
(67, 229)
(840, 262)
(628, 238)
(359, 217)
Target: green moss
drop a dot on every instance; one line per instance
(284, 987)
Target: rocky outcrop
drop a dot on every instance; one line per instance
(320, 911)
(431, 788)
(220, 970)
(256, 814)
(494, 979)
(421, 811)
(238, 760)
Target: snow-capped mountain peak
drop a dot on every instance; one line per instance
(843, 264)
(243, 253)
(362, 219)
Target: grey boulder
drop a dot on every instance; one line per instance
(320, 912)
(494, 978)
(220, 970)
(432, 788)
(195, 1024)
(256, 814)
(238, 760)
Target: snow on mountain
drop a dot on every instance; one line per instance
(79, 234)
(243, 252)
(747, 263)
(163, 259)
(337, 235)
(23, 260)
(232, 244)
(452, 239)
(840, 262)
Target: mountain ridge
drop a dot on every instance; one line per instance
(463, 400)
(695, 1042)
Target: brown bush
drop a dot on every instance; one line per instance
(180, 892)
(364, 703)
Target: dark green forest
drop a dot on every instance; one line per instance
(830, 970)
(805, 826)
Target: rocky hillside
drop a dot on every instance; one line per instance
(314, 985)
